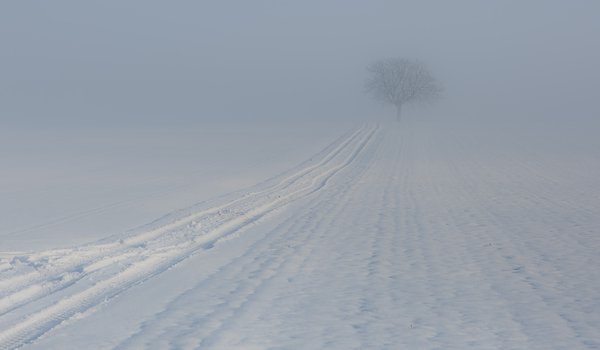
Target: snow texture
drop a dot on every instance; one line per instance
(397, 236)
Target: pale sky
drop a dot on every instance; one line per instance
(111, 62)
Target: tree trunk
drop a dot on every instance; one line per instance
(398, 112)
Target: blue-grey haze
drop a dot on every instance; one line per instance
(109, 62)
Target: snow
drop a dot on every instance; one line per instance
(419, 235)
(65, 186)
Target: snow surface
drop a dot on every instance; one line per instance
(66, 186)
(396, 236)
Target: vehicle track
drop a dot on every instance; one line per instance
(116, 266)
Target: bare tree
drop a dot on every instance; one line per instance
(399, 81)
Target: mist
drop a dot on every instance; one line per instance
(105, 63)
(299, 174)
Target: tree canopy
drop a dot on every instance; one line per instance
(398, 81)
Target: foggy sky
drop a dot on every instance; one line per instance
(114, 62)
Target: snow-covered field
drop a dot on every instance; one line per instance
(418, 235)
(66, 186)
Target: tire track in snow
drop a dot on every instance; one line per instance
(238, 283)
(90, 254)
(159, 260)
(20, 289)
(322, 218)
(286, 292)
